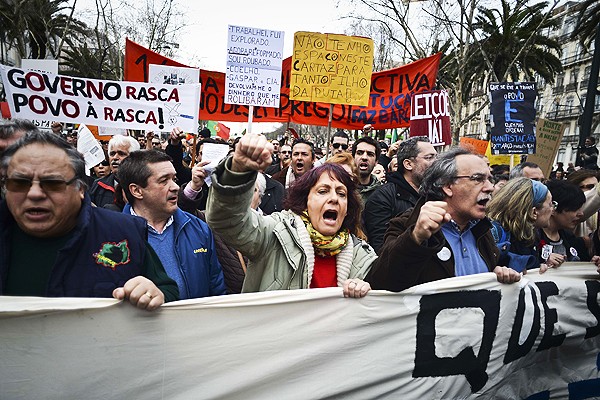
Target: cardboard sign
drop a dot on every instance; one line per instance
(478, 146)
(331, 68)
(549, 135)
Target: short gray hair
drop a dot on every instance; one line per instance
(120, 140)
(261, 181)
(51, 139)
(442, 172)
(517, 170)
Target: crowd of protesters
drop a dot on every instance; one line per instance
(154, 223)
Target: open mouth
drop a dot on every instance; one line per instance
(330, 215)
(483, 202)
(362, 166)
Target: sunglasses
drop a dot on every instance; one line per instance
(587, 187)
(155, 143)
(285, 152)
(22, 185)
(104, 163)
(337, 146)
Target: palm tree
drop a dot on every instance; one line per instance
(513, 40)
(587, 22)
(40, 24)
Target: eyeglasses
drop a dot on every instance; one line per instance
(479, 178)
(429, 157)
(285, 152)
(337, 146)
(22, 185)
(155, 143)
(587, 187)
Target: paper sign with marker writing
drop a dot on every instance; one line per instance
(331, 68)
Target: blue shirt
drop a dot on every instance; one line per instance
(467, 260)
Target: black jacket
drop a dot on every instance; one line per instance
(403, 263)
(388, 201)
(272, 200)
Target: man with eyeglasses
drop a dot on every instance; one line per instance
(447, 233)
(55, 244)
(401, 191)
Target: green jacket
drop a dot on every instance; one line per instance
(276, 245)
(367, 190)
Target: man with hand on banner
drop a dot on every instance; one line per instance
(183, 242)
(55, 244)
(447, 233)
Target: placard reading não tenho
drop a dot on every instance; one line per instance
(254, 59)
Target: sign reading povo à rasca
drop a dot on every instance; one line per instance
(513, 117)
(254, 59)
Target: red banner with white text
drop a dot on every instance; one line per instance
(389, 102)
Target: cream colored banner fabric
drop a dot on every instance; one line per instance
(464, 337)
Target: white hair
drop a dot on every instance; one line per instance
(120, 140)
(261, 181)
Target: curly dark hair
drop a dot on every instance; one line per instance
(297, 195)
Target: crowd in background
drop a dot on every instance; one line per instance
(277, 214)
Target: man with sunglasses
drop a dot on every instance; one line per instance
(55, 244)
(285, 157)
(447, 233)
(339, 143)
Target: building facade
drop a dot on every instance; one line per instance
(562, 101)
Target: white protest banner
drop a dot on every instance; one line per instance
(458, 338)
(46, 66)
(254, 59)
(129, 105)
(167, 75)
(89, 147)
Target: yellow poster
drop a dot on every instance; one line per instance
(331, 68)
(504, 159)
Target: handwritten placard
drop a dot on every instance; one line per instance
(331, 68)
(254, 58)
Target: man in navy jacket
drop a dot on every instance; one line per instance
(54, 243)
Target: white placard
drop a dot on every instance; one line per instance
(167, 75)
(128, 105)
(89, 147)
(254, 59)
(214, 153)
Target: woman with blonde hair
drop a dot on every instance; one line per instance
(347, 161)
(517, 211)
